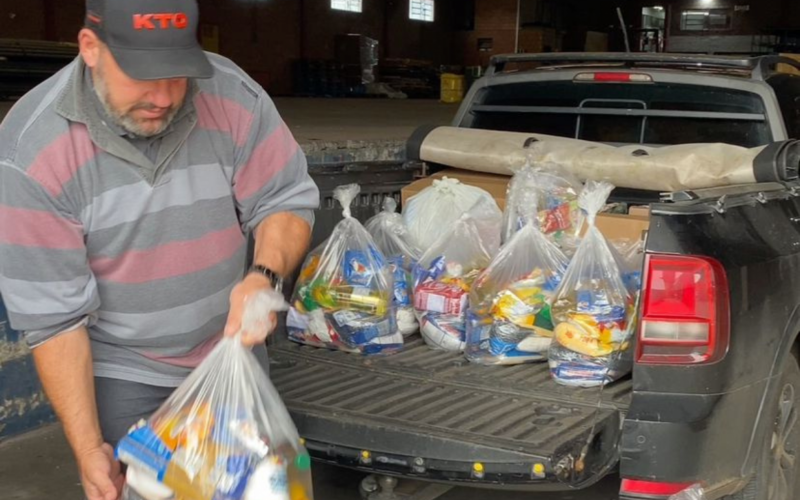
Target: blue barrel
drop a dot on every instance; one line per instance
(23, 405)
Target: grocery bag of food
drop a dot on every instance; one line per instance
(391, 236)
(343, 296)
(593, 308)
(224, 434)
(560, 217)
(509, 319)
(440, 205)
(445, 272)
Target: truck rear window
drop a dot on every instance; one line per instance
(658, 114)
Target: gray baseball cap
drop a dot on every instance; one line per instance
(151, 39)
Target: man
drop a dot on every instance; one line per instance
(128, 184)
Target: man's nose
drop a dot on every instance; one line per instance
(160, 94)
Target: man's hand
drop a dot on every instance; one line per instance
(100, 474)
(249, 286)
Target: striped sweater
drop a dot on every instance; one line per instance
(143, 249)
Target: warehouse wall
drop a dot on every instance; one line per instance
(265, 36)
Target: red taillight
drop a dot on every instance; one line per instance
(614, 77)
(684, 311)
(651, 488)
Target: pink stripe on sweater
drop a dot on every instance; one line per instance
(38, 228)
(268, 158)
(177, 258)
(59, 161)
(192, 358)
(224, 115)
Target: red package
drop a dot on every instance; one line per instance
(557, 219)
(437, 297)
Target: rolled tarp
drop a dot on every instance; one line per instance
(665, 168)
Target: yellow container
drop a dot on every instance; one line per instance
(452, 88)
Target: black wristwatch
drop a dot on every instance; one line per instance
(275, 279)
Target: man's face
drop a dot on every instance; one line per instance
(143, 108)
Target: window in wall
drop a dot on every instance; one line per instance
(348, 5)
(706, 20)
(421, 10)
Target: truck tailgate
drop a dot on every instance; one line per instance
(433, 414)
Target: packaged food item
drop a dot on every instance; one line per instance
(444, 274)
(344, 297)
(224, 434)
(391, 236)
(441, 204)
(556, 190)
(510, 320)
(593, 308)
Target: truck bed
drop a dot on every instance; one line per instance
(422, 412)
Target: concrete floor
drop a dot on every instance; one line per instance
(39, 466)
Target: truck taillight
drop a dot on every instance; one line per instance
(685, 311)
(651, 489)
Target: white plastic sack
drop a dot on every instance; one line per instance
(439, 206)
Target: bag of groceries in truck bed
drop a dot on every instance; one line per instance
(509, 319)
(343, 296)
(445, 273)
(594, 308)
(393, 239)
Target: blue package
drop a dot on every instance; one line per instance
(633, 280)
(235, 473)
(358, 268)
(357, 328)
(432, 273)
(143, 448)
(377, 256)
(401, 296)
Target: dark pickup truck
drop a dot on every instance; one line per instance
(718, 409)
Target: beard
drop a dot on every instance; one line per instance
(137, 127)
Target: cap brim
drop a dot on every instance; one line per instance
(149, 64)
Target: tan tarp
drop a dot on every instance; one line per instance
(668, 168)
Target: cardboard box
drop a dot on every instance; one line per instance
(640, 211)
(613, 226)
(622, 227)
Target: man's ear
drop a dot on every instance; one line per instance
(89, 45)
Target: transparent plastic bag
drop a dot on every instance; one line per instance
(343, 296)
(439, 206)
(509, 319)
(224, 434)
(391, 236)
(630, 255)
(444, 274)
(593, 308)
(560, 217)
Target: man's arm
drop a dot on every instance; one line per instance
(282, 240)
(64, 364)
